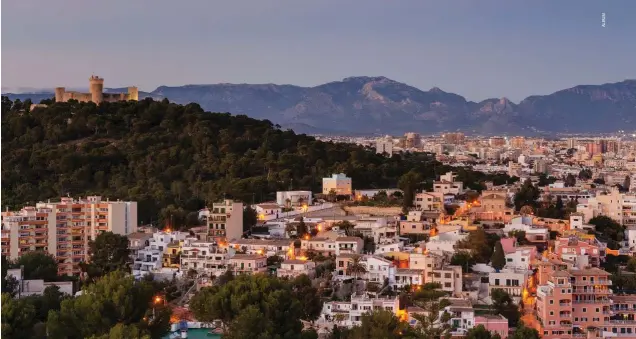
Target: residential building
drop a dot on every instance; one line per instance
(294, 198)
(337, 246)
(349, 313)
(267, 247)
(541, 166)
(408, 277)
(26, 288)
(265, 210)
(495, 324)
(513, 281)
(151, 258)
(572, 301)
(138, 241)
(491, 206)
(292, 268)
(448, 184)
(619, 206)
(204, 257)
(445, 242)
(378, 269)
(454, 138)
(339, 183)
(429, 201)
(65, 228)
(224, 220)
(248, 263)
(582, 249)
(437, 269)
(384, 145)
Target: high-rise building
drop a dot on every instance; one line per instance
(65, 228)
(517, 142)
(412, 140)
(496, 142)
(384, 145)
(541, 166)
(224, 220)
(454, 138)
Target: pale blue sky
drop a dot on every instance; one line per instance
(476, 48)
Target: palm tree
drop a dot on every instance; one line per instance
(356, 267)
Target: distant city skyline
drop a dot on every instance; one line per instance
(478, 49)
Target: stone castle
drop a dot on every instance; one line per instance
(96, 94)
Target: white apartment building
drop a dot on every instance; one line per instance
(292, 268)
(150, 259)
(513, 281)
(293, 198)
(327, 246)
(339, 183)
(384, 145)
(378, 269)
(349, 313)
(224, 220)
(26, 288)
(445, 242)
(618, 206)
(280, 247)
(64, 228)
(448, 185)
(204, 257)
(407, 277)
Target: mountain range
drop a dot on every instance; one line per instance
(378, 105)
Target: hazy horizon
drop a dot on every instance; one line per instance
(477, 49)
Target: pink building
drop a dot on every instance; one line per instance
(572, 301)
(584, 250)
(493, 323)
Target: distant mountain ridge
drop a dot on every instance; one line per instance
(367, 104)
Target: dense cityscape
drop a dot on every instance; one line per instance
(508, 237)
(318, 169)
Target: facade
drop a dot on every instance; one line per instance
(266, 247)
(448, 185)
(151, 258)
(349, 313)
(513, 281)
(224, 220)
(429, 201)
(96, 95)
(293, 198)
(384, 145)
(64, 229)
(294, 267)
(248, 263)
(572, 301)
(618, 206)
(436, 269)
(454, 138)
(204, 257)
(26, 288)
(338, 246)
(339, 183)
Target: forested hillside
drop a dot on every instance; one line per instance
(172, 158)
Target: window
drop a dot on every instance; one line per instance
(447, 285)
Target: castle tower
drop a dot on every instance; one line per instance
(133, 93)
(97, 89)
(59, 94)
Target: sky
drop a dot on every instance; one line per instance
(476, 48)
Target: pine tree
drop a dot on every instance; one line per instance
(498, 259)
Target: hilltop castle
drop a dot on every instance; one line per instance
(96, 94)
